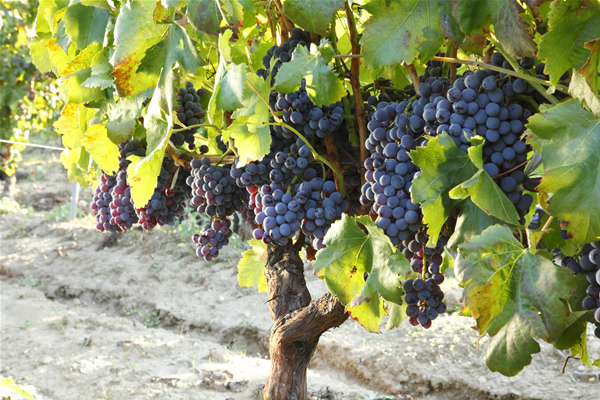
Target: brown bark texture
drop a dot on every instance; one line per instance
(298, 323)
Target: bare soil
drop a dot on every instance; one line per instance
(90, 316)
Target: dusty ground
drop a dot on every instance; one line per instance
(90, 316)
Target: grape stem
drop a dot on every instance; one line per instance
(360, 115)
(424, 268)
(512, 169)
(544, 229)
(414, 76)
(229, 151)
(536, 85)
(185, 128)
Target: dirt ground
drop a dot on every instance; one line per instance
(91, 316)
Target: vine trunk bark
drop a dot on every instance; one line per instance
(298, 323)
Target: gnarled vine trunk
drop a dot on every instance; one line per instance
(298, 323)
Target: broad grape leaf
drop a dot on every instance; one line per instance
(590, 69)
(488, 196)
(135, 33)
(101, 69)
(511, 23)
(251, 268)
(232, 87)
(568, 137)
(122, 119)
(45, 16)
(234, 12)
(40, 55)
(470, 222)
(514, 295)
(572, 24)
(443, 166)
(204, 15)
(579, 89)
(313, 15)
(104, 152)
(401, 30)
(358, 267)
(73, 123)
(77, 71)
(396, 312)
(142, 176)
(224, 45)
(58, 56)
(251, 146)
(323, 85)
(85, 25)
(174, 3)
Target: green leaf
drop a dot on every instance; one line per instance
(401, 31)
(488, 196)
(470, 222)
(447, 262)
(251, 268)
(142, 176)
(77, 71)
(135, 33)
(101, 81)
(103, 151)
(224, 46)
(568, 137)
(323, 86)
(122, 119)
(590, 69)
(313, 15)
(350, 257)
(85, 25)
(515, 296)
(572, 24)
(40, 55)
(443, 166)
(511, 23)
(579, 89)
(231, 89)
(204, 15)
(397, 314)
(174, 3)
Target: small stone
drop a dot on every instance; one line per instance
(47, 360)
(222, 355)
(482, 380)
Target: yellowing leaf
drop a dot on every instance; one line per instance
(101, 148)
(251, 268)
(142, 177)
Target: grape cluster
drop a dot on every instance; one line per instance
(304, 116)
(166, 203)
(122, 207)
(213, 189)
(278, 212)
(390, 172)
(214, 236)
(101, 203)
(324, 207)
(423, 295)
(424, 300)
(189, 112)
(589, 264)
